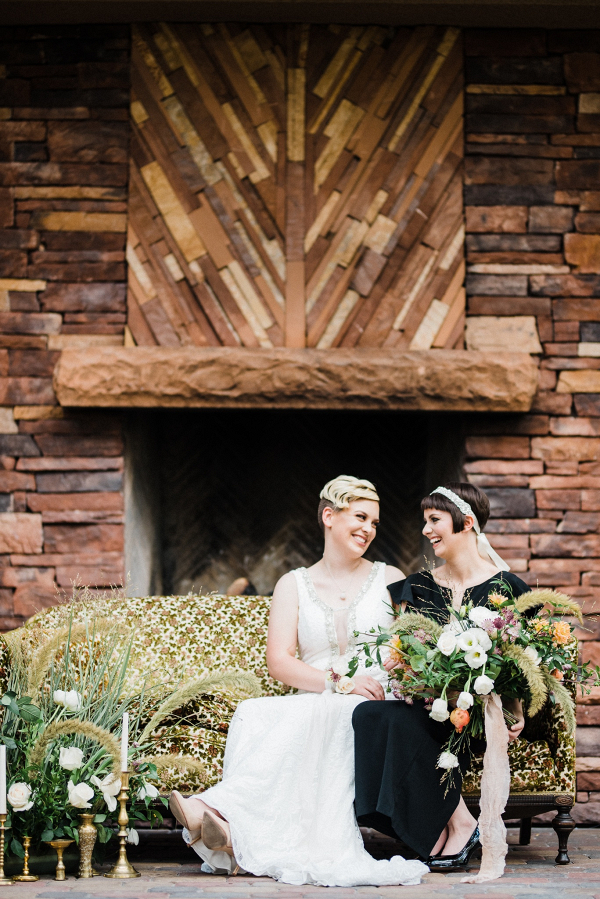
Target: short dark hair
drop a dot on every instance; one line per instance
(472, 495)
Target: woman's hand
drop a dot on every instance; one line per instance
(516, 708)
(391, 663)
(365, 685)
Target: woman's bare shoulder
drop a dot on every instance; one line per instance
(286, 589)
(393, 574)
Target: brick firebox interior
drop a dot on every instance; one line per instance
(532, 205)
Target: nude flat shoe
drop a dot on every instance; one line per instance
(181, 809)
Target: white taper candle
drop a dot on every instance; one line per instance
(125, 742)
(2, 779)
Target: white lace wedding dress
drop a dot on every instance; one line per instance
(288, 776)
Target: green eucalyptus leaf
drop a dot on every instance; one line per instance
(98, 819)
(46, 836)
(17, 848)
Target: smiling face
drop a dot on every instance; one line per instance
(439, 531)
(352, 529)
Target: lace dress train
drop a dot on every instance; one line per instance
(288, 777)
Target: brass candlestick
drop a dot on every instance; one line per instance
(60, 846)
(25, 876)
(122, 869)
(4, 881)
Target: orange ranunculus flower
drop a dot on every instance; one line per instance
(557, 674)
(496, 599)
(395, 646)
(459, 718)
(562, 632)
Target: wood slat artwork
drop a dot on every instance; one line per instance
(296, 185)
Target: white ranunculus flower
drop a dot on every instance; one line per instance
(345, 685)
(476, 658)
(483, 685)
(532, 653)
(464, 701)
(439, 710)
(80, 794)
(59, 697)
(148, 790)
(109, 786)
(70, 758)
(133, 836)
(474, 637)
(73, 700)
(19, 797)
(447, 760)
(479, 614)
(446, 643)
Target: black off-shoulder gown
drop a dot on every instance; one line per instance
(398, 789)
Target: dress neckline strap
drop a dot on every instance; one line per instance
(367, 583)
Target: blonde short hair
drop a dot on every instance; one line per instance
(343, 490)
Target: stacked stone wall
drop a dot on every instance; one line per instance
(64, 132)
(532, 198)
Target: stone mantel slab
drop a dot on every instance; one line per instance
(228, 377)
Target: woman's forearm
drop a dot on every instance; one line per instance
(294, 673)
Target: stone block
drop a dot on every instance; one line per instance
(494, 195)
(520, 124)
(58, 445)
(31, 598)
(89, 141)
(14, 480)
(509, 306)
(591, 578)
(589, 715)
(578, 173)
(41, 173)
(583, 251)
(31, 363)
(579, 546)
(17, 445)
(550, 219)
(79, 482)
(578, 310)
(497, 285)
(502, 334)
(579, 523)
(69, 538)
(567, 286)
(590, 331)
(507, 170)
(509, 502)
(588, 222)
(575, 427)
(515, 103)
(587, 404)
(558, 499)
(582, 71)
(567, 331)
(513, 70)
(553, 403)
(20, 532)
(514, 243)
(46, 502)
(588, 741)
(89, 577)
(71, 463)
(565, 449)
(497, 447)
(29, 323)
(590, 500)
(494, 42)
(501, 467)
(501, 219)
(583, 381)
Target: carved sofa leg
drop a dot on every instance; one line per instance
(563, 824)
(525, 832)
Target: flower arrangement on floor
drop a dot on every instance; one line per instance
(61, 723)
(518, 649)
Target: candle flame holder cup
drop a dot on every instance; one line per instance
(4, 880)
(60, 846)
(122, 869)
(25, 876)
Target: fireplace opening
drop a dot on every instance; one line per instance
(212, 495)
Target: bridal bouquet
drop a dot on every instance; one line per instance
(481, 650)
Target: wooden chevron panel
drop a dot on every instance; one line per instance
(296, 185)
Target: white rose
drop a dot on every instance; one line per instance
(483, 685)
(148, 790)
(73, 700)
(70, 758)
(109, 786)
(446, 643)
(464, 701)
(80, 795)
(59, 697)
(133, 836)
(476, 658)
(19, 797)
(480, 614)
(447, 760)
(474, 637)
(439, 710)
(532, 653)
(345, 685)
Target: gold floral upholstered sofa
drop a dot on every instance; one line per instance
(191, 636)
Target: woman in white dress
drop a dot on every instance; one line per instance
(284, 807)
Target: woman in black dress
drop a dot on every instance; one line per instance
(398, 788)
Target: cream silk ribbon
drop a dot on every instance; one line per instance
(495, 787)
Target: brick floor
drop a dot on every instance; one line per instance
(175, 874)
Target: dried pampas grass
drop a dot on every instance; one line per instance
(185, 764)
(239, 683)
(563, 698)
(560, 602)
(534, 677)
(83, 728)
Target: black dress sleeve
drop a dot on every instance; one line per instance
(401, 591)
(508, 583)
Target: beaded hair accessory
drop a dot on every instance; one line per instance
(483, 544)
